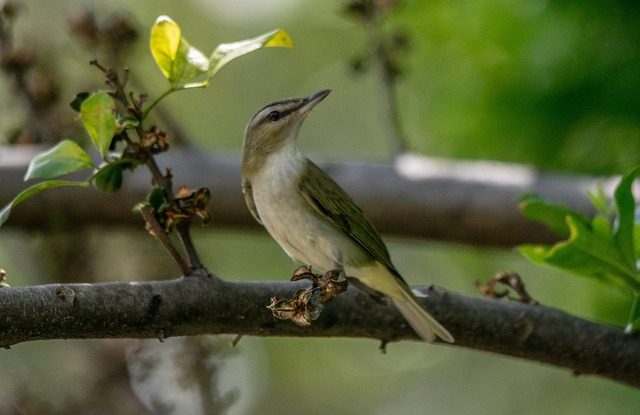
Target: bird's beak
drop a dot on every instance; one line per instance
(313, 100)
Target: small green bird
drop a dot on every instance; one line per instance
(311, 217)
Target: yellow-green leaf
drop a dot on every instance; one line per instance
(27, 193)
(98, 114)
(64, 158)
(279, 38)
(178, 60)
(164, 43)
(226, 52)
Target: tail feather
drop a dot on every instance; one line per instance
(382, 279)
(420, 320)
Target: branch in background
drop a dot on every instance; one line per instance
(469, 202)
(198, 305)
(33, 84)
(382, 53)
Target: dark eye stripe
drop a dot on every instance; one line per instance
(276, 115)
(283, 108)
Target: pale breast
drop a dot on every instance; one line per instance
(300, 230)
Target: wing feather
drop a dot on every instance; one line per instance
(328, 198)
(248, 197)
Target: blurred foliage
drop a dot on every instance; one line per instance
(553, 84)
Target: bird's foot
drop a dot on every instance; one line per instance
(305, 305)
(325, 286)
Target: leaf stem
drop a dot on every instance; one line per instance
(146, 112)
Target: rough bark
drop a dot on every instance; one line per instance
(205, 304)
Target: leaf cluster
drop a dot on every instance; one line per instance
(114, 119)
(605, 247)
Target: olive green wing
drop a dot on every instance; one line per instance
(328, 198)
(248, 198)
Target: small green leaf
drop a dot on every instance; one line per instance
(98, 114)
(226, 52)
(626, 205)
(603, 260)
(156, 198)
(586, 252)
(551, 214)
(76, 104)
(190, 63)
(636, 239)
(601, 202)
(108, 178)
(64, 158)
(179, 62)
(634, 317)
(125, 122)
(27, 193)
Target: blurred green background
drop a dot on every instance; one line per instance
(551, 84)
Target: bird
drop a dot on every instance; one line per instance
(312, 218)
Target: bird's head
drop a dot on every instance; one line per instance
(276, 125)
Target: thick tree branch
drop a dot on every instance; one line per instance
(197, 305)
(472, 202)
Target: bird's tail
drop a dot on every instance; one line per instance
(420, 320)
(388, 282)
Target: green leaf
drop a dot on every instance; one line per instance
(626, 205)
(181, 63)
(226, 52)
(124, 122)
(27, 193)
(64, 158)
(634, 317)
(602, 258)
(551, 214)
(108, 178)
(156, 198)
(605, 248)
(78, 100)
(98, 114)
(587, 252)
(178, 60)
(601, 202)
(636, 239)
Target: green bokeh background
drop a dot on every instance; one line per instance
(552, 84)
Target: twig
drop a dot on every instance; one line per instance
(144, 154)
(382, 49)
(156, 230)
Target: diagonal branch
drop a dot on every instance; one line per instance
(198, 305)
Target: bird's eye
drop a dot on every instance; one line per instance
(274, 116)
